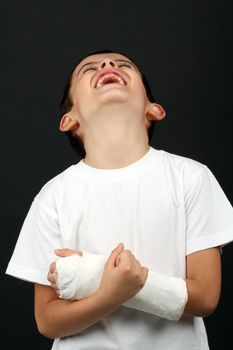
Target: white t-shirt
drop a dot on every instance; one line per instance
(162, 207)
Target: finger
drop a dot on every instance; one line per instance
(52, 267)
(125, 257)
(67, 252)
(118, 260)
(111, 262)
(52, 277)
(53, 285)
(128, 252)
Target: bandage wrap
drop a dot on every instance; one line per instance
(79, 276)
(161, 295)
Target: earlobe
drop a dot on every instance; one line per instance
(155, 112)
(67, 123)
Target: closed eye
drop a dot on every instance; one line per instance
(90, 68)
(124, 64)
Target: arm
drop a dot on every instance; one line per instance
(165, 296)
(202, 282)
(59, 318)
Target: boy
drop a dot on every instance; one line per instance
(168, 211)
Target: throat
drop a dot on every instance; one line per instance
(115, 145)
(116, 159)
(114, 135)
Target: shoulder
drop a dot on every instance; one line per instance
(53, 189)
(192, 178)
(186, 167)
(187, 174)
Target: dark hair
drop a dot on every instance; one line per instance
(67, 103)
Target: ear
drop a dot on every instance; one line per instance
(68, 123)
(155, 112)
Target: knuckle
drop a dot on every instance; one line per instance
(141, 283)
(140, 280)
(126, 269)
(137, 275)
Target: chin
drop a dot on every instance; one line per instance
(113, 97)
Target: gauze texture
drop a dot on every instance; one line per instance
(80, 276)
(162, 295)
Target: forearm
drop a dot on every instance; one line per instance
(202, 294)
(202, 301)
(61, 318)
(203, 282)
(161, 295)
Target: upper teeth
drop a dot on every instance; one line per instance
(107, 76)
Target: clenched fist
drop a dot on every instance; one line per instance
(122, 278)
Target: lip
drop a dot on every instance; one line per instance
(96, 78)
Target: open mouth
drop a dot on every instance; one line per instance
(110, 78)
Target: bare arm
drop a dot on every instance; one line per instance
(59, 318)
(203, 282)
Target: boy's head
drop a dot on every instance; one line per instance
(102, 79)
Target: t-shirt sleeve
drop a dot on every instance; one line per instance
(39, 236)
(209, 214)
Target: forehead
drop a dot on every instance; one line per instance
(99, 58)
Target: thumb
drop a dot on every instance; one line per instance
(111, 262)
(67, 252)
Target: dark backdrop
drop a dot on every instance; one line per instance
(185, 50)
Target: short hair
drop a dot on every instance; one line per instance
(67, 103)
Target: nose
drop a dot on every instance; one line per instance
(107, 63)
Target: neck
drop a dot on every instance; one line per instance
(117, 143)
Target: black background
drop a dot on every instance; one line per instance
(185, 49)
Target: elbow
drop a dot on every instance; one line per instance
(44, 329)
(203, 306)
(210, 303)
(209, 308)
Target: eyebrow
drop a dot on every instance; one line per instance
(117, 60)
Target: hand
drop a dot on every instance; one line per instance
(123, 277)
(52, 276)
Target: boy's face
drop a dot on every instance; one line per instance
(106, 85)
(102, 79)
